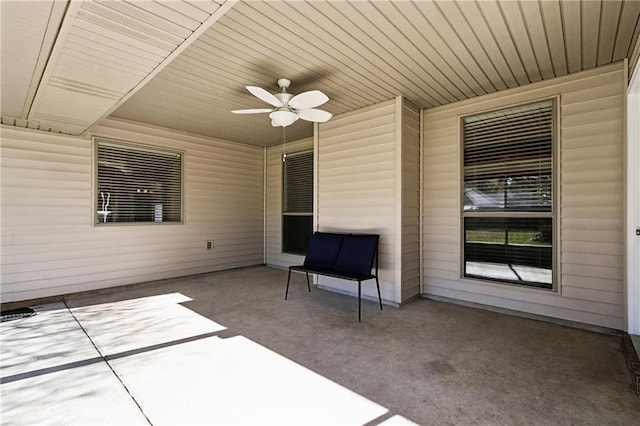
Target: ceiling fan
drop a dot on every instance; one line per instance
(287, 107)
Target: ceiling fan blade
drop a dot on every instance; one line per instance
(251, 111)
(315, 115)
(262, 94)
(306, 100)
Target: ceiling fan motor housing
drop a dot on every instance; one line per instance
(284, 83)
(284, 97)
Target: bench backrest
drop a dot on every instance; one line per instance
(349, 253)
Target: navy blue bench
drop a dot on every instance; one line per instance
(347, 256)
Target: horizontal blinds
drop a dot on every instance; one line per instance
(136, 184)
(508, 158)
(298, 183)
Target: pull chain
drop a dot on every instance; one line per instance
(284, 144)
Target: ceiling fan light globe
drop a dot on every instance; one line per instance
(282, 118)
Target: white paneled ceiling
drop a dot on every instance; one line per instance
(358, 52)
(104, 50)
(28, 33)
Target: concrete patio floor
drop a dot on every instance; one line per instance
(226, 349)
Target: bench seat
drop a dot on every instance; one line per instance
(345, 256)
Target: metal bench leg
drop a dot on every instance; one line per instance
(359, 300)
(308, 286)
(286, 293)
(379, 297)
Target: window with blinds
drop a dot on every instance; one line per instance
(508, 194)
(297, 201)
(137, 184)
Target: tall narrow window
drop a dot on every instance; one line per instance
(297, 201)
(137, 184)
(508, 195)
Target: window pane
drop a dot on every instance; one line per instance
(136, 184)
(296, 233)
(508, 159)
(508, 172)
(523, 193)
(298, 183)
(516, 250)
(297, 201)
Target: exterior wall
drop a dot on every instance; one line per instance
(273, 232)
(633, 205)
(368, 180)
(591, 189)
(51, 247)
(410, 169)
(357, 186)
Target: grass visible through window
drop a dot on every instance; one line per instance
(498, 237)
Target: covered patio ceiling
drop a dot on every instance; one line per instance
(185, 64)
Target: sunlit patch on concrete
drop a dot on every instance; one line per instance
(157, 361)
(398, 420)
(139, 324)
(52, 374)
(236, 381)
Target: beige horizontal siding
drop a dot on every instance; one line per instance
(590, 201)
(410, 190)
(357, 186)
(51, 247)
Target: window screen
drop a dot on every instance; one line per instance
(508, 194)
(137, 184)
(297, 201)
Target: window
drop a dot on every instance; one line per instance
(297, 201)
(137, 184)
(508, 195)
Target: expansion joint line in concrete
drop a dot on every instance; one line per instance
(106, 360)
